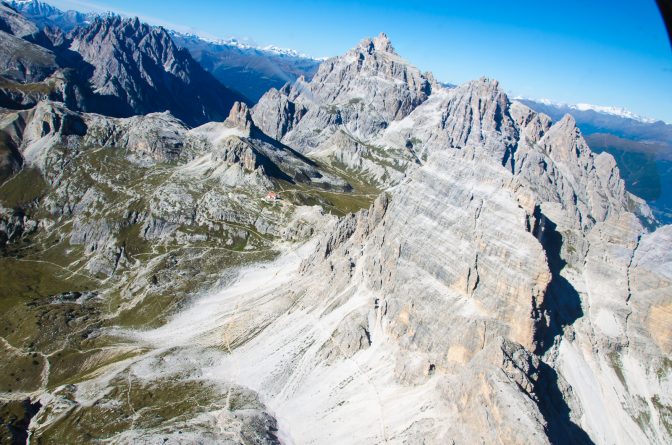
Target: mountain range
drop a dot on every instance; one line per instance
(363, 255)
(248, 69)
(252, 71)
(119, 67)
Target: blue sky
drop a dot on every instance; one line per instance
(613, 53)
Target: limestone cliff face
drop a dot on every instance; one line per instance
(506, 236)
(446, 259)
(276, 114)
(650, 273)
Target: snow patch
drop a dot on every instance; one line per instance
(602, 109)
(236, 43)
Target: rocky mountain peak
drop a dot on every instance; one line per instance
(131, 29)
(473, 114)
(568, 122)
(484, 87)
(486, 82)
(363, 90)
(373, 57)
(240, 117)
(381, 43)
(564, 140)
(143, 71)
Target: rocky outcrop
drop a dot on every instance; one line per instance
(239, 117)
(587, 185)
(157, 137)
(277, 114)
(502, 379)
(14, 224)
(10, 156)
(238, 141)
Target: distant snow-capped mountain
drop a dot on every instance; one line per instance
(614, 111)
(602, 119)
(237, 43)
(250, 69)
(641, 146)
(44, 14)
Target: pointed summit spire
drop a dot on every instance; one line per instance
(382, 43)
(240, 117)
(377, 44)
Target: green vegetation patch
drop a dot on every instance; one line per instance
(361, 196)
(23, 188)
(19, 371)
(132, 403)
(665, 413)
(617, 366)
(46, 87)
(73, 365)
